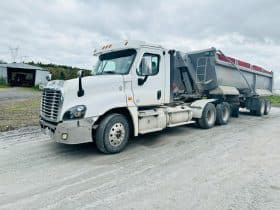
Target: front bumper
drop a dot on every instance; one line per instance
(76, 131)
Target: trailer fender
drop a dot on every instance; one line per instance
(198, 106)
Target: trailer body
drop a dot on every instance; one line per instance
(138, 88)
(210, 70)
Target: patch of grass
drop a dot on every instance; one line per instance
(275, 99)
(35, 88)
(19, 113)
(3, 83)
(3, 86)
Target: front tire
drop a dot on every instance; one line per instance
(208, 117)
(112, 134)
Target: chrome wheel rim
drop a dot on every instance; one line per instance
(116, 134)
(225, 114)
(268, 107)
(211, 117)
(262, 108)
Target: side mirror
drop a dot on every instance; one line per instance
(49, 77)
(81, 91)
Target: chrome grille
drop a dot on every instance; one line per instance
(50, 104)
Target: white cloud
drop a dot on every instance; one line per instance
(66, 32)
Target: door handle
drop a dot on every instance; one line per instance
(158, 94)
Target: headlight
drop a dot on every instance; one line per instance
(75, 112)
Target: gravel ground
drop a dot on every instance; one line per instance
(228, 167)
(17, 93)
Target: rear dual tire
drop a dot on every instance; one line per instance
(208, 117)
(267, 107)
(212, 115)
(223, 113)
(263, 107)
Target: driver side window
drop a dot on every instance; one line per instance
(149, 65)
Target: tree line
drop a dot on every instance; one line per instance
(61, 72)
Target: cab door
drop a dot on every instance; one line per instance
(148, 78)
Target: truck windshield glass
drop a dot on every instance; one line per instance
(118, 62)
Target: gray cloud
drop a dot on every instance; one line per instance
(66, 32)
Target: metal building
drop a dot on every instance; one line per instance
(21, 74)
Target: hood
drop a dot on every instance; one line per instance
(92, 85)
(95, 89)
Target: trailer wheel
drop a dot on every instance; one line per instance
(223, 113)
(267, 107)
(112, 134)
(208, 117)
(261, 108)
(235, 111)
(253, 112)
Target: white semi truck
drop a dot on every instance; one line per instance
(138, 88)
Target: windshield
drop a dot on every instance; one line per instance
(118, 62)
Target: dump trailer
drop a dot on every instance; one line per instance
(138, 88)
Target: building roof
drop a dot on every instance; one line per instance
(21, 66)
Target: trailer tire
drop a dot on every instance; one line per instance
(223, 113)
(112, 134)
(261, 108)
(253, 112)
(267, 107)
(208, 117)
(235, 111)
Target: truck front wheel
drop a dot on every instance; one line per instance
(208, 117)
(112, 134)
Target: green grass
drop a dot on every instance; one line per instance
(274, 99)
(3, 86)
(35, 88)
(3, 83)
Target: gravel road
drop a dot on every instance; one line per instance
(228, 167)
(17, 93)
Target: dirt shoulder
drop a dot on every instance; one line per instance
(19, 113)
(19, 107)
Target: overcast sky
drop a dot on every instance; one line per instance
(67, 32)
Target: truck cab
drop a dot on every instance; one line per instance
(128, 76)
